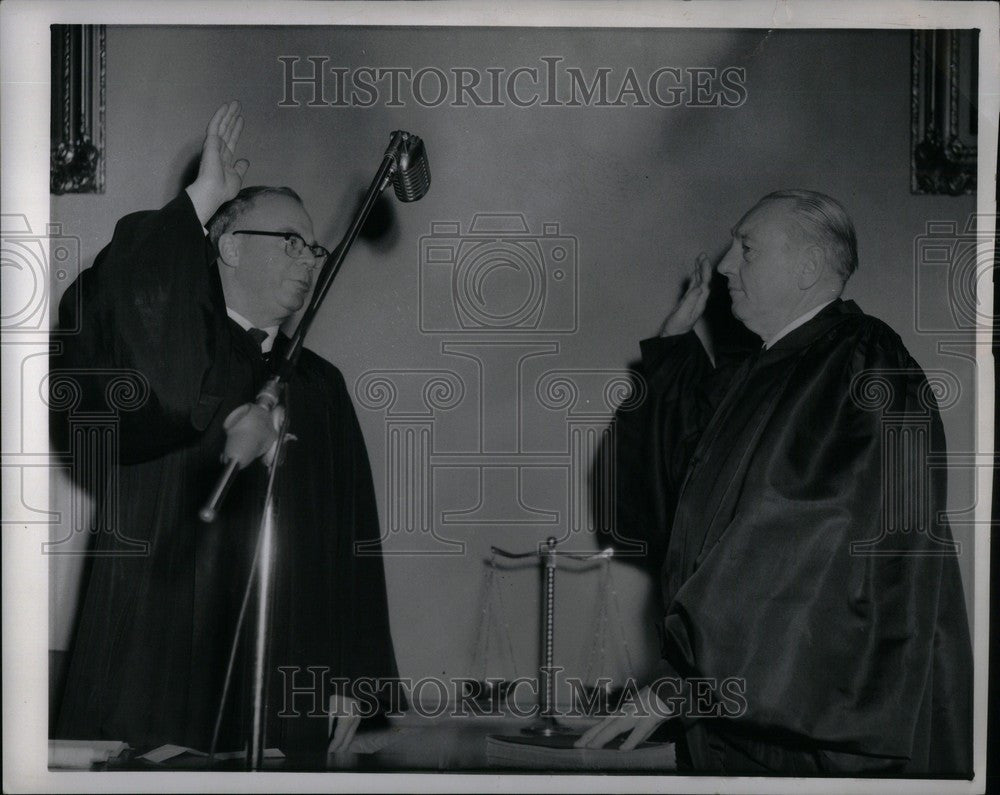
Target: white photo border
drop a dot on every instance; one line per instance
(24, 126)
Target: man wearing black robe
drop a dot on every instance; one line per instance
(181, 311)
(805, 553)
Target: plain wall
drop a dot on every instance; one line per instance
(641, 189)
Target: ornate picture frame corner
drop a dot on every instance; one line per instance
(79, 102)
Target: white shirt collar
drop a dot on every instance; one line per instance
(246, 325)
(799, 321)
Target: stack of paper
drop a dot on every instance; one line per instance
(166, 752)
(557, 753)
(83, 754)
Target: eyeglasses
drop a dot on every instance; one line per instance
(295, 246)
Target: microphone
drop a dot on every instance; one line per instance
(412, 178)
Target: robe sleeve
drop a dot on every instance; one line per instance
(150, 308)
(831, 594)
(654, 442)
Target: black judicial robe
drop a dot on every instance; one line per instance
(154, 631)
(750, 481)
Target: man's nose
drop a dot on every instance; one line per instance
(725, 266)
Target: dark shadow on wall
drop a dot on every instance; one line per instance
(381, 231)
(187, 173)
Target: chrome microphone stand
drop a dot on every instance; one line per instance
(263, 577)
(404, 164)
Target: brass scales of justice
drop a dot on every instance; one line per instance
(493, 621)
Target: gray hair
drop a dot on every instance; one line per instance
(824, 221)
(241, 203)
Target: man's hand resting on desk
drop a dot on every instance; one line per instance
(639, 719)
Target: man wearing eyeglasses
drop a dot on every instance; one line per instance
(266, 273)
(189, 301)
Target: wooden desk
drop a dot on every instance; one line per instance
(413, 743)
(459, 744)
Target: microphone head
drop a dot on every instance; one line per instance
(412, 178)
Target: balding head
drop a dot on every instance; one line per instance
(822, 220)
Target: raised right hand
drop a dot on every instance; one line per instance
(220, 174)
(692, 304)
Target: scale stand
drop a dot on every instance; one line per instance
(546, 724)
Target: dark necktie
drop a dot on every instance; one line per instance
(259, 335)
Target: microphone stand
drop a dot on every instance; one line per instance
(265, 561)
(270, 395)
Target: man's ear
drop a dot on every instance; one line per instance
(229, 251)
(812, 266)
